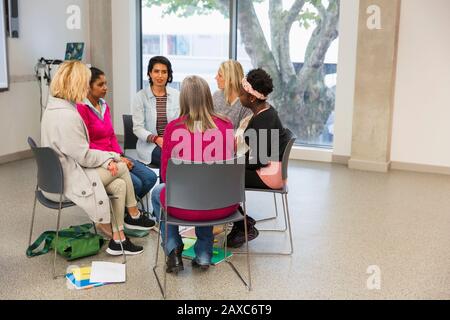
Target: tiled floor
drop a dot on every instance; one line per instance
(343, 222)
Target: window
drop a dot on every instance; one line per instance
(193, 37)
(295, 41)
(297, 45)
(178, 45)
(151, 45)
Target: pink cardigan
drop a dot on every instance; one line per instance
(101, 133)
(169, 145)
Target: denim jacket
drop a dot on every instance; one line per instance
(143, 110)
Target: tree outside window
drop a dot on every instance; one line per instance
(295, 42)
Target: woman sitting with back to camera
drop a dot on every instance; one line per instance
(197, 116)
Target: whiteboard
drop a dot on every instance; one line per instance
(3, 60)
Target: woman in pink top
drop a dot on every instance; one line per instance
(97, 118)
(197, 117)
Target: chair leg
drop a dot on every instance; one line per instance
(248, 250)
(32, 220)
(287, 219)
(249, 284)
(117, 227)
(166, 258)
(276, 212)
(285, 222)
(161, 288)
(56, 241)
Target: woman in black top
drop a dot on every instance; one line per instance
(264, 135)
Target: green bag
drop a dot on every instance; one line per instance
(73, 243)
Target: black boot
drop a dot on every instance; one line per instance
(236, 238)
(175, 260)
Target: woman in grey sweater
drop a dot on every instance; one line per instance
(226, 99)
(88, 174)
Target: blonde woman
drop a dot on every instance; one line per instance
(88, 173)
(197, 116)
(226, 99)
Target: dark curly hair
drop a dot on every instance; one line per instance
(162, 60)
(260, 81)
(95, 75)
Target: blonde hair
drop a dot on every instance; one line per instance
(233, 73)
(196, 104)
(71, 81)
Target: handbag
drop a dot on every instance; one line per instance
(73, 243)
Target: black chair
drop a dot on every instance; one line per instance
(129, 143)
(50, 179)
(284, 197)
(130, 139)
(183, 178)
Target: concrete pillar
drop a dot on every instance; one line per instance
(376, 65)
(100, 30)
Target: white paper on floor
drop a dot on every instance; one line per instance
(108, 272)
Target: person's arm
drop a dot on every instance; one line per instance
(72, 142)
(138, 113)
(253, 159)
(166, 153)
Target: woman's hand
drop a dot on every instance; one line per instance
(129, 164)
(159, 142)
(112, 168)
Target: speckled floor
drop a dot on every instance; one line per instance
(343, 222)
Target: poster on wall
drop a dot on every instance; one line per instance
(3, 60)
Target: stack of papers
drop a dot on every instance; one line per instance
(108, 272)
(79, 279)
(101, 273)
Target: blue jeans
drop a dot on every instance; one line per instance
(205, 238)
(143, 178)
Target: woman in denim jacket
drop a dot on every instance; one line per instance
(153, 108)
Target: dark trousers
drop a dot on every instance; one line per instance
(156, 157)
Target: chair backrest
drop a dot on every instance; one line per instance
(290, 137)
(201, 186)
(130, 140)
(50, 176)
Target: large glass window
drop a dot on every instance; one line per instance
(296, 41)
(192, 34)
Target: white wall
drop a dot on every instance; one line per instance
(124, 59)
(346, 73)
(43, 33)
(421, 126)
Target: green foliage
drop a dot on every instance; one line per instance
(185, 8)
(308, 18)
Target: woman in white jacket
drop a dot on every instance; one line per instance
(88, 174)
(153, 108)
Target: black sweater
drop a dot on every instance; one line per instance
(268, 120)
